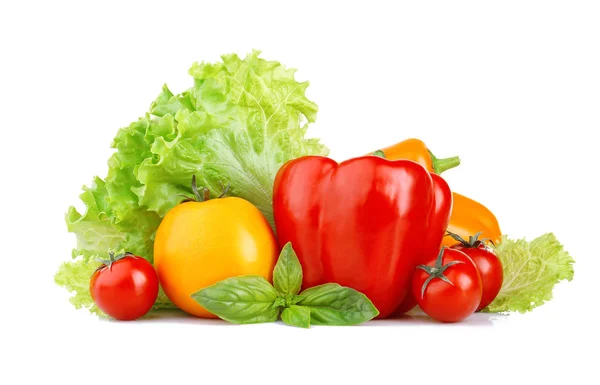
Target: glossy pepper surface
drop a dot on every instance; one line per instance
(439, 219)
(468, 216)
(364, 223)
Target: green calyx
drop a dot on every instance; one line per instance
(379, 153)
(439, 164)
(473, 241)
(436, 271)
(112, 259)
(205, 195)
(443, 164)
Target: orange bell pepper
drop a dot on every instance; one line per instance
(468, 216)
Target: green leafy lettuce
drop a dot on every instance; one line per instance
(531, 269)
(241, 120)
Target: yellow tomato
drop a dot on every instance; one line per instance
(200, 243)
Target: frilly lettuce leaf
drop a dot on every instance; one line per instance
(531, 269)
(75, 277)
(241, 120)
(94, 229)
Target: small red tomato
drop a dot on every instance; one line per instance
(124, 287)
(449, 287)
(488, 264)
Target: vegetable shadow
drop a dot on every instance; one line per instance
(420, 318)
(176, 317)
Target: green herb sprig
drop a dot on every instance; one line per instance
(252, 299)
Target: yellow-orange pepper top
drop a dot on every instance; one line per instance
(416, 150)
(468, 216)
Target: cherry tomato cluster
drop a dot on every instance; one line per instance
(461, 280)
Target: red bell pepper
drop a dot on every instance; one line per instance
(439, 220)
(365, 223)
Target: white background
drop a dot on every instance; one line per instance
(513, 87)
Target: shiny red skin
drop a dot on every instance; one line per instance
(362, 223)
(443, 301)
(127, 289)
(408, 303)
(438, 219)
(438, 223)
(490, 270)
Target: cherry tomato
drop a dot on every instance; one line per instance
(488, 264)
(124, 287)
(448, 288)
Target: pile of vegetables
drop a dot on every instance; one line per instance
(214, 189)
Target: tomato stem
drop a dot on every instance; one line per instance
(199, 198)
(203, 194)
(224, 190)
(473, 241)
(112, 259)
(436, 271)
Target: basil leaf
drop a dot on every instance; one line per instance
(295, 299)
(332, 304)
(296, 316)
(243, 300)
(287, 275)
(279, 302)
